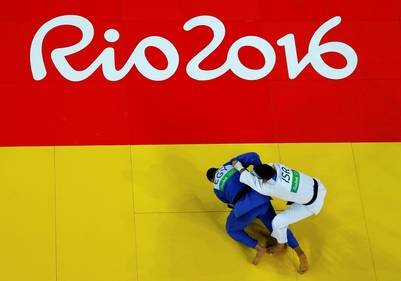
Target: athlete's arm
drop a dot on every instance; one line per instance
(247, 159)
(251, 180)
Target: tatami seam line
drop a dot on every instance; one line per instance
(179, 212)
(55, 212)
(363, 211)
(134, 213)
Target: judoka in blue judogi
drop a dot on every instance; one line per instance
(247, 205)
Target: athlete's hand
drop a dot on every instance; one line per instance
(238, 166)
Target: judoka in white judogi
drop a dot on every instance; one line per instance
(304, 193)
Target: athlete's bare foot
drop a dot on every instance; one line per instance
(303, 261)
(260, 252)
(277, 248)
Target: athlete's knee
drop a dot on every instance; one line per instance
(278, 222)
(233, 233)
(233, 230)
(230, 227)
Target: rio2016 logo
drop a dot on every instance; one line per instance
(138, 58)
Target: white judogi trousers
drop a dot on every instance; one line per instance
(295, 213)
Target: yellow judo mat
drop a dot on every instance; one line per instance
(147, 213)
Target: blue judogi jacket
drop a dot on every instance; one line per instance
(232, 190)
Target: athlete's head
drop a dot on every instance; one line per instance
(264, 171)
(210, 174)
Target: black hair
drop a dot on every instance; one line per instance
(264, 171)
(210, 174)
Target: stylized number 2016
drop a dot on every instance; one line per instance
(138, 58)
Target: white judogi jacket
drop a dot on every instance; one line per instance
(289, 185)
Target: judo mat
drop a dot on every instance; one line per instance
(148, 213)
(103, 157)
